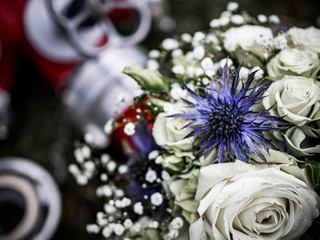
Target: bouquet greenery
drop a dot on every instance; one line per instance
(221, 140)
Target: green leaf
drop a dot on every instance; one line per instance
(314, 168)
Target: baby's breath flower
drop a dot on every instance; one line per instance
(190, 71)
(129, 129)
(88, 138)
(151, 176)
(186, 37)
(280, 42)
(154, 153)
(86, 151)
(107, 231)
(138, 208)
(119, 193)
(109, 209)
(197, 38)
(237, 19)
(93, 228)
(103, 177)
(159, 159)
(198, 72)
(214, 23)
(178, 69)
(74, 169)
(102, 221)
(108, 127)
(265, 42)
(199, 52)
(226, 14)
(173, 234)
(81, 180)
(205, 81)
(232, 6)
(225, 61)
(154, 53)
(210, 73)
(89, 166)
(127, 223)
(105, 158)
(170, 44)
(177, 53)
(104, 190)
(111, 166)
(153, 64)
(262, 18)
(156, 199)
(176, 223)
(207, 63)
(78, 155)
(224, 21)
(123, 169)
(274, 19)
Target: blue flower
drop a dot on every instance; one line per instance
(225, 119)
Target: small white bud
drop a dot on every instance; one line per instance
(127, 223)
(86, 152)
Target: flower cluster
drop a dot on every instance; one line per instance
(221, 140)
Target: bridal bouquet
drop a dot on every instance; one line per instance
(221, 140)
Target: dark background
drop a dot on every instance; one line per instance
(39, 131)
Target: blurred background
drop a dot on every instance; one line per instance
(40, 130)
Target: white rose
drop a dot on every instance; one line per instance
(251, 201)
(308, 37)
(294, 61)
(169, 132)
(249, 37)
(296, 98)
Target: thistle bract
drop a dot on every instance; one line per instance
(224, 118)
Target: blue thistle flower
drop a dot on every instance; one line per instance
(226, 120)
